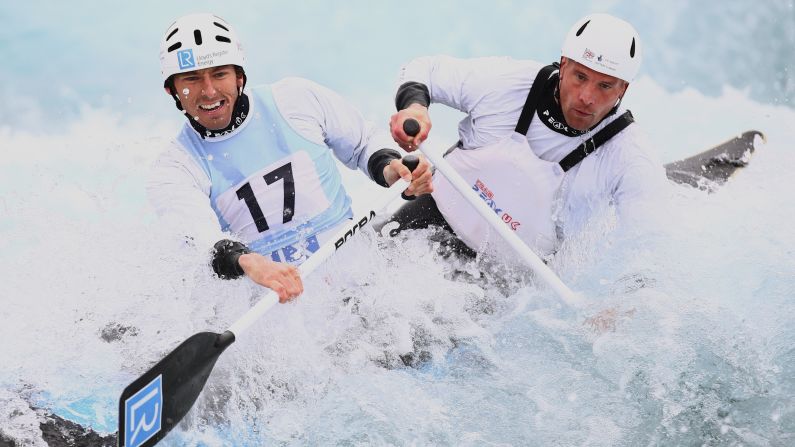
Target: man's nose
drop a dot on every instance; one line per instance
(587, 94)
(208, 89)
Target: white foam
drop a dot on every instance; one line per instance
(83, 257)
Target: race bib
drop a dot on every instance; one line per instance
(280, 196)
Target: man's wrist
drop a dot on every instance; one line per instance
(390, 175)
(226, 257)
(378, 163)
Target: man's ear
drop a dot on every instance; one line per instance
(626, 86)
(563, 63)
(170, 93)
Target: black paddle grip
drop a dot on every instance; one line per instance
(410, 161)
(411, 127)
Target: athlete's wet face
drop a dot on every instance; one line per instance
(586, 96)
(209, 95)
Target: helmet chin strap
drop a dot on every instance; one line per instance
(239, 110)
(556, 99)
(240, 113)
(169, 84)
(557, 92)
(245, 79)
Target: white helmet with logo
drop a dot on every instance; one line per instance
(605, 44)
(198, 41)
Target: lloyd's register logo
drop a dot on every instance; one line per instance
(185, 59)
(143, 413)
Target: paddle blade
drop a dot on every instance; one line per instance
(717, 164)
(155, 402)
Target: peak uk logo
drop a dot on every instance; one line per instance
(488, 196)
(588, 54)
(185, 59)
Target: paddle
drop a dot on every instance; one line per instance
(155, 402)
(412, 128)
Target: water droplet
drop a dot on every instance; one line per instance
(210, 157)
(196, 118)
(186, 91)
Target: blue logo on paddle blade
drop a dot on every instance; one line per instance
(185, 58)
(143, 413)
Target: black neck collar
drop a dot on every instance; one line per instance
(239, 114)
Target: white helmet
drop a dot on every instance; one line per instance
(198, 41)
(606, 44)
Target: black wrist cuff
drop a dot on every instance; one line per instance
(225, 256)
(412, 93)
(377, 163)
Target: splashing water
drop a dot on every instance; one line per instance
(392, 343)
(687, 338)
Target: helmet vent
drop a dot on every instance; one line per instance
(582, 28)
(197, 36)
(172, 33)
(223, 39)
(176, 46)
(221, 26)
(632, 48)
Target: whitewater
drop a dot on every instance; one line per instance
(393, 343)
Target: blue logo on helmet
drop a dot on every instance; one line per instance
(185, 58)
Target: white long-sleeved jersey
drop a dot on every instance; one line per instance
(182, 191)
(492, 91)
